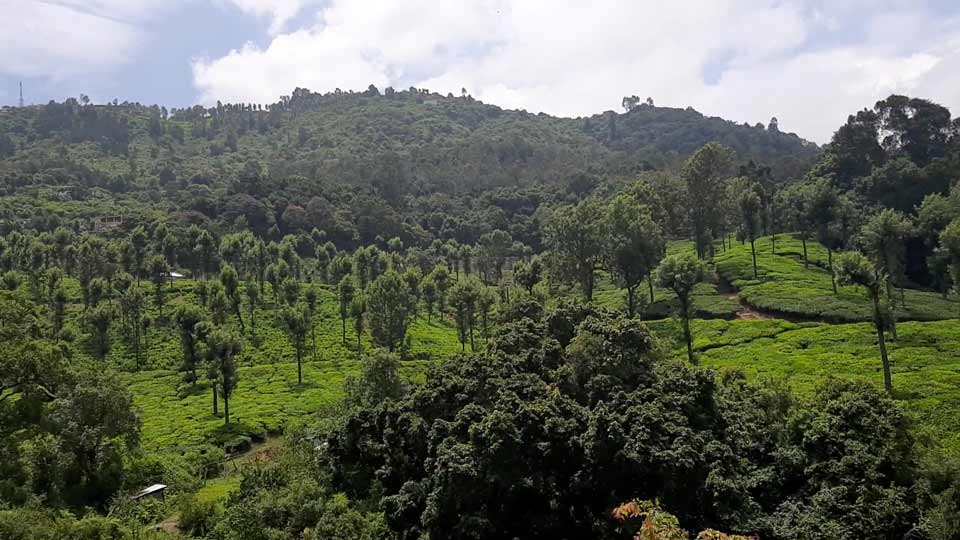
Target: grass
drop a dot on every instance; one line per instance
(266, 398)
(925, 361)
(786, 288)
(708, 301)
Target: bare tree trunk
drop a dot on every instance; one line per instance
(753, 251)
(878, 322)
(684, 303)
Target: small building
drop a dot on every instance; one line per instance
(156, 491)
(107, 223)
(175, 276)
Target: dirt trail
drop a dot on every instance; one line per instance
(747, 312)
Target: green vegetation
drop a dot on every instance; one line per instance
(785, 288)
(404, 315)
(925, 361)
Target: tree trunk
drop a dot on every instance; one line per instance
(686, 329)
(650, 283)
(878, 322)
(226, 410)
(805, 262)
(773, 244)
(753, 251)
(299, 366)
(240, 319)
(588, 286)
(631, 301)
(343, 324)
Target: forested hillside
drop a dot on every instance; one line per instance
(408, 316)
(410, 164)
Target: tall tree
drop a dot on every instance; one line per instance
(345, 294)
(188, 318)
(463, 300)
(575, 237)
(297, 323)
(883, 239)
(391, 308)
(159, 272)
(495, 247)
(231, 286)
(680, 273)
(750, 221)
(222, 348)
(634, 246)
(853, 268)
(441, 277)
(99, 320)
(704, 174)
(252, 291)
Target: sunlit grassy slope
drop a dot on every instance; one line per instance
(926, 361)
(785, 287)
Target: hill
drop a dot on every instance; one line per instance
(358, 165)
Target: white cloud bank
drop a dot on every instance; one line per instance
(58, 39)
(810, 63)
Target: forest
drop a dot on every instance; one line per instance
(396, 314)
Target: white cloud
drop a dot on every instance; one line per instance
(810, 63)
(278, 11)
(56, 40)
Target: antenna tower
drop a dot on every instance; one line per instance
(21, 93)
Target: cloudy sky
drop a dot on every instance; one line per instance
(807, 62)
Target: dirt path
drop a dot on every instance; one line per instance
(747, 312)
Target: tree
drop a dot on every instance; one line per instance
(680, 273)
(704, 174)
(312, 300)
(188, 318)
(159, 271)
(99, 320)
(634, 245)
(132, 304)
(391, 308)
(798, 200)
(253, 298)
(345, 293)
(575, 236)
(231, 286)
(486, 299)
(495, 248)
(463, 300)
(138, 244)
(218, 304)
(441, 277)
(297, 323)
(528, 274)
(883, 239)
(750, 221)
(428, 290)
(222, 349)
(950, 247)
(853, 268)
(358, 310)
(379, 381)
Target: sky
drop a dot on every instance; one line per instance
(810, 63)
